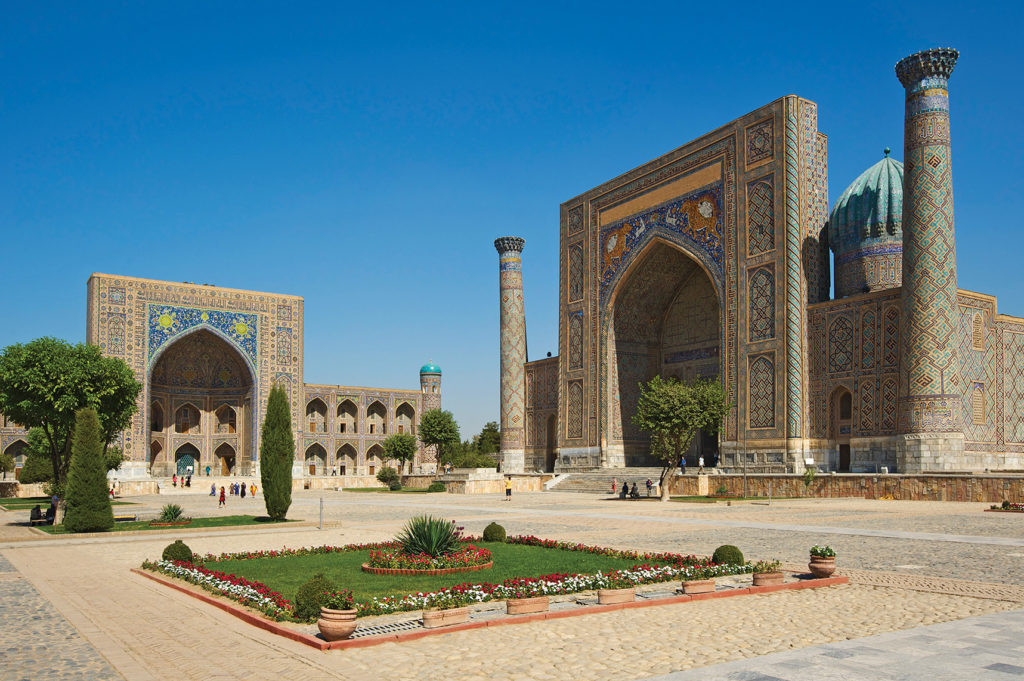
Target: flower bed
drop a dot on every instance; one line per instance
(1008, 507)
(672, 567)
(468, 556)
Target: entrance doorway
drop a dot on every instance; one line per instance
(226, 456)
(842, 425)
(552, 433)
(186, 459)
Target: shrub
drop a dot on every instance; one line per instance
(310, 596)
(1006, 504)
(88, 497)
(437, 486)
(729, 554)
(494, 532)
(429, 535)
(823, 551)
(386, 475)
(178, 551)
(722, 490)
(395, 485)
(170, 513)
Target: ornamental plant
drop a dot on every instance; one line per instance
(429, 535)
(88, 497)
(170, 513)
(467, 556)
(823, 551)
(763, 566)
(447, 599)
(338, 600)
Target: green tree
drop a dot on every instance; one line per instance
(400, 448)
(45, 382)
(6, 463)
(37, 467)
(277, 452)
(88, 499)
(489, 440)
(438, 428)
(673, 412)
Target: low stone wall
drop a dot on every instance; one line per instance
(984, 488)
(520, 483)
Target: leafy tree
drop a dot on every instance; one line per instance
(400, 448)
(113, 458)
(45, 382)
(37, 467)
(6, 463)
(438, 427)
(489, 440)
(277, 452)
(673, 412)
(88, 499)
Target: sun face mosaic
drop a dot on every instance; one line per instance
(168, 322)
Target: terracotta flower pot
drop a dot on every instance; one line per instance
(699, 586)
(523, 606)
(336, 625)
(442, 618)
(767, 578)
(822, 566)
(610, 596)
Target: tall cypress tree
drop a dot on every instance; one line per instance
(277, 451)
(88, 498)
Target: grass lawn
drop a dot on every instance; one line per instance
(222, 521)
(711, 500)
(285, 575)
(26, 503)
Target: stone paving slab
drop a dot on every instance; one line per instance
(984, 648)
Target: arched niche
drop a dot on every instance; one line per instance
(376, 418)
(348, 417)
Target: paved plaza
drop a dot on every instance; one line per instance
(936, 591)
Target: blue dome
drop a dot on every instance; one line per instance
(865, 231)
(430, 368)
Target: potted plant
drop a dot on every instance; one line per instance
(823, 561)
(523, 596)
(337, 615)
(445, 608)
(617, 589)
(699, 580)
(767, 573)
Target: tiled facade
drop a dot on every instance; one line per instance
(713, 260)
(207, 358)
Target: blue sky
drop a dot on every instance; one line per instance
(366, 158)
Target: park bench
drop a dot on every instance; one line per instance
(125, 517)
(36, 517)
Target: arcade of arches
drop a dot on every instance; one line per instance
(665, 320)
(200, 406)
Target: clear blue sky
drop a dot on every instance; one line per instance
(366, 158)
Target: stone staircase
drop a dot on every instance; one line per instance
(600, 482)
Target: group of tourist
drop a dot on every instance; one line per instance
(238, 489)
(186, 480)
(631, 493)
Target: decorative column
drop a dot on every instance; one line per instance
(513, 353)
(930, 389)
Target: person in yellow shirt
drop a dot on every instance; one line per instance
(508, 488)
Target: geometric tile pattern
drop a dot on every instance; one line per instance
(840, 345)
(760, 217)
(868, 340)
(762, 304)
(1013, 378)
(513, 342)
(891, 337)
(760, 142)
(574, 409)
(794, 280)
(889, 404)
(575, 273)
(977, 362)
(867, 406)
(576, 339)
(762, 391)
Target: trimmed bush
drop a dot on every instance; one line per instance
(88, 497)
(728, 554)
(277, 450)
(494, 532)
(310, 595)
(437, 486)
(395, 485)
(1006, 504)
(178, 551)
(387, 475)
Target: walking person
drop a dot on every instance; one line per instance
(650, 486)
(700, 466)
(682, 466)
(243, 490)
(222, 497)
(213, 490)
(508, 488)
(615, 482)
(174, 480)
(252, 490)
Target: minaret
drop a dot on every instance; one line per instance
(929, 399)
(513, 352)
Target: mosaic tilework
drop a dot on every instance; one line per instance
(574, 410)
(762, 304)
(760, 142)
(575, 219)
(167, 322)
(891, 337)
(866, 412)
(868, 340)
(794, 279)
(762, 392)
(541, 411)
(1013, 380)
(930, 382)
(890, 394)
(575, 257)
(760, 217)
(978, 369)
(840, 345)
(576, 339)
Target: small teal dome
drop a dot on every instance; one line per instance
(430, 368)
(865, 230)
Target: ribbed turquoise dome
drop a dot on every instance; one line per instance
(430, 368)
(870, 211)
(865, 231)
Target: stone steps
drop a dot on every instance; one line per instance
(600, 482)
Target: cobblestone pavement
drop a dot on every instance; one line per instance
(37, 642)
(147, 632)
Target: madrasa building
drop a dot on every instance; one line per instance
(207, 358)
(713, 261)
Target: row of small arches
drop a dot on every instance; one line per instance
(346, 418)
(188, 419)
